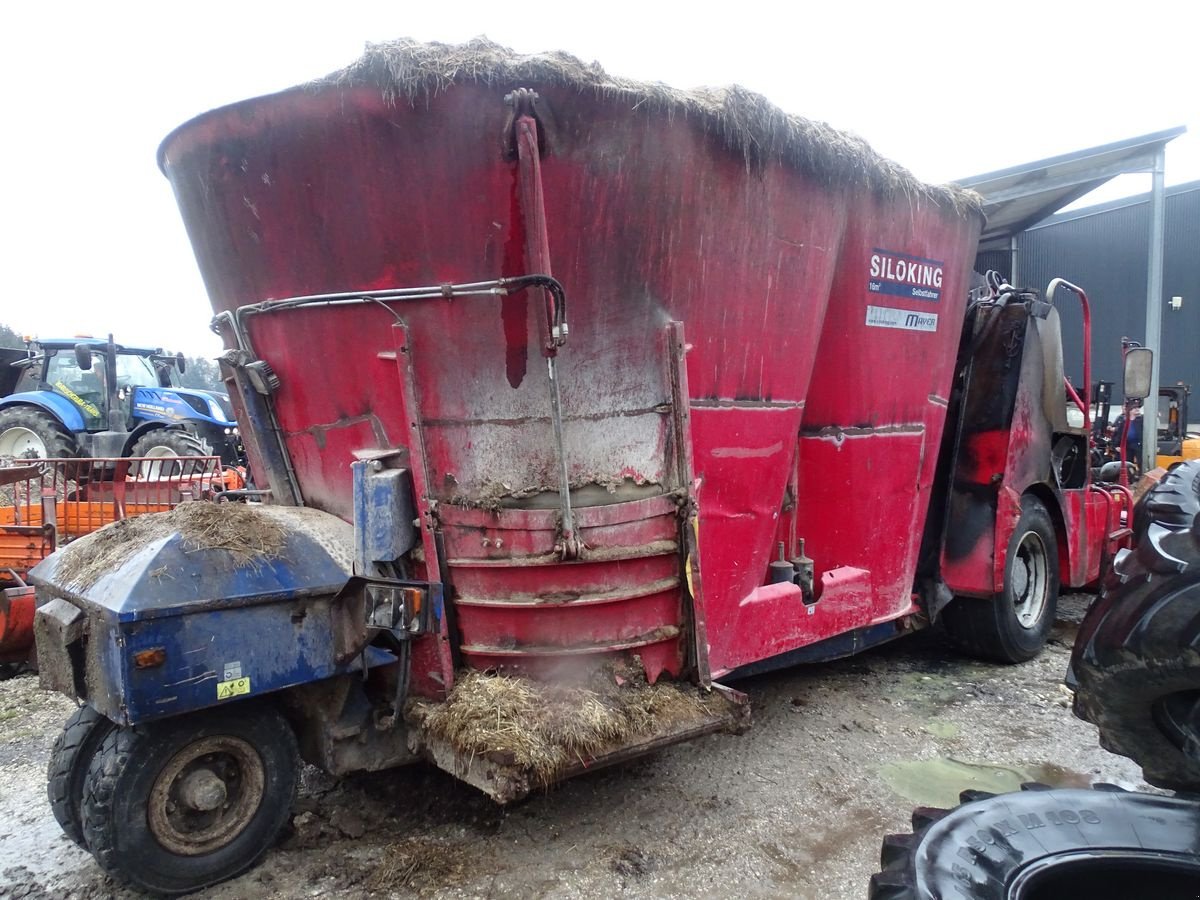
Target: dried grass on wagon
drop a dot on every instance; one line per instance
(240, 530)
(747, 122)
(544, 728)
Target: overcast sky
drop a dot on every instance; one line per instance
(91, 240)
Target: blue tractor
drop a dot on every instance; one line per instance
(94, 398)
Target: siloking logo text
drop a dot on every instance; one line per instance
(902, 275)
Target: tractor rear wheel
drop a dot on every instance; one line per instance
(176, 805)
(1173, 502)
(1136, 663)
(1040, 843)
(29, 433)
(70, 758)
(162, 445)
(1012, 627)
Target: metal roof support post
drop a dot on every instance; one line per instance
(1012, 260)
(1154, 299)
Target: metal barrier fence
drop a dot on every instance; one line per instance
(45, 503)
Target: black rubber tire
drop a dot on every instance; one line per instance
(989, 628)
(1136, 663)
(1173, 502)
(121, 780)
(70, 758)
(59, 442)
(177, 440)
(1040, 843)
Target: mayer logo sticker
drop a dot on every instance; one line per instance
(904, 275)
(904, 319)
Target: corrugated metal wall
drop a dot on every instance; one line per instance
(1105, 253)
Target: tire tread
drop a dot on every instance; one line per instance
(82, 733)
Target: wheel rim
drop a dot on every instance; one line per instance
(1030, 580)
(158, 469)
(206, 795)
(21, 442)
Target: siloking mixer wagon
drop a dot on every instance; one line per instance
(572, 397)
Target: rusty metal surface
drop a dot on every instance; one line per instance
(522, 607)
(337, 730)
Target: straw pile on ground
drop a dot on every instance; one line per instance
(749, 124)
(239, 529)
(543, 727)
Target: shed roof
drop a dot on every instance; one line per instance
(1120, 203)
(1022, 196)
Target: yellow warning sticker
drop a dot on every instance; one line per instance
(234, 688)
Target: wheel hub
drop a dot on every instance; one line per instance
(206, 795)
(203, 790)
(1030, 580)
(22, 443)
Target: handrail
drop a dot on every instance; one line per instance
(1087, 338)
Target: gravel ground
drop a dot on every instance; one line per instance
(838, 755)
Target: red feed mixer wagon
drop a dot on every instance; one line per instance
(573, 396)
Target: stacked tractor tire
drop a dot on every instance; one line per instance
(1136, 675)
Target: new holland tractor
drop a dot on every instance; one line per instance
(94, 398)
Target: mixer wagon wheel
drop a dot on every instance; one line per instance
(1013, 626)
(29, 433)
(73, 750)
(176, 805)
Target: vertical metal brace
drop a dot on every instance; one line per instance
(423, 495)
(681, 426)
(537, 259)
(1154, 299)
(50, 515)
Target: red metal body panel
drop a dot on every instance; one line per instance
(1016, 441)
(17, 606)
(806, 419)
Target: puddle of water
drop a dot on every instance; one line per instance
(938, 781)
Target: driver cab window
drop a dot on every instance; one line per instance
(84, 389)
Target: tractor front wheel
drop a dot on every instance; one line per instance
(176, 805)
(29, 433)
(162, 447)
(1013, 626)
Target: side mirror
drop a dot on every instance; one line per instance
(1139, 362)
(180, 363)
(83, 356)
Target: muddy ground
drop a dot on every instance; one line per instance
(838, 755)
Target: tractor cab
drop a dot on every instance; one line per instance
(79, 369)
(68, 370)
